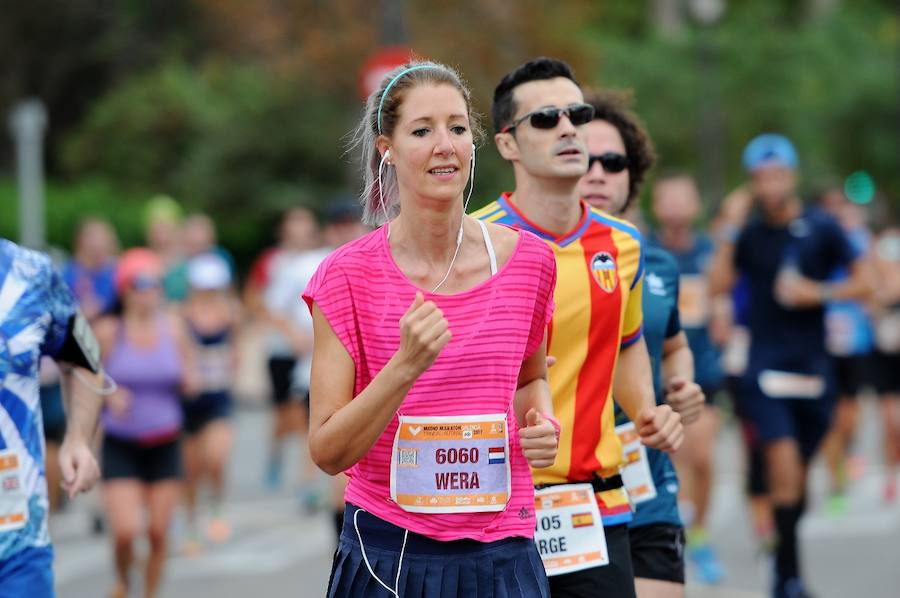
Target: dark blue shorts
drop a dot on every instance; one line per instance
(805, 420)
(510, 567)
(29, 573)
(657, 552)
(127, 459)
(206, 408)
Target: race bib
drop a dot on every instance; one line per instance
(636, 473)
(13, 501)
(457, 464)
(693, 300)
(569, 531)
(840, 333)
(737, 352)
(887, 332)
(789, 385)
(214, 366)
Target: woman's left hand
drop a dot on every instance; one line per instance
(538, 439)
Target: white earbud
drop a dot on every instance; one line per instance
(387, 155)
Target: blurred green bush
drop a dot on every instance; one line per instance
(251, 116)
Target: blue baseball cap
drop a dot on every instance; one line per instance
(769, 149)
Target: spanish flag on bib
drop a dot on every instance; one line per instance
(598, 311)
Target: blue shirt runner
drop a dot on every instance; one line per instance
(35, 310)
(661, 322)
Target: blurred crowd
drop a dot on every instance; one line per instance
(169, 317)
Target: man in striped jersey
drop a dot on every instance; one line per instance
(538, 113)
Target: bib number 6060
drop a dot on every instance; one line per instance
(454, 455)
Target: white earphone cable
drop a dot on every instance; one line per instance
(396, 589)
(459, 236)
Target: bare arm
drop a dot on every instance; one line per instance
(859, 285)
(681, 392)
(677, 359)
(658, 425)
(342, 427)
(798, 292)
(722, 273)
(539, 438)
(533, 391)
(190, 381)
(82, 403)
(731, 219)
(887, 274)
(633, 380)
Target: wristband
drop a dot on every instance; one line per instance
(826, 293)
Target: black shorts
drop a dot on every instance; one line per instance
(281, 372)
(206, 408)
(710, 393)
(851, 374)
(615, 580)
(885, 372)
(125, 459)
(657, 552)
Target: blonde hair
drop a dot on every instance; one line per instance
(382, 113)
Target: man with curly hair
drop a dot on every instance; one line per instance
(616, 138)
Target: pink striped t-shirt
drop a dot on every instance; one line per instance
(495, 326)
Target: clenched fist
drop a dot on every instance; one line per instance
(659, 427)
(424, 332)
(686, 398)
(538, 439)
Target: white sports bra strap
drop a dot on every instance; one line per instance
(489, 246)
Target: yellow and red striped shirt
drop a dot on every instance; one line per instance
(598, 312)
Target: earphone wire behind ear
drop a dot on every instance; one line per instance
(381, 164)
(459, 235)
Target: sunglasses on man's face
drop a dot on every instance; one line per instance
(548, 118)
(610, 161)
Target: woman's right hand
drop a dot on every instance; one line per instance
(423, 334)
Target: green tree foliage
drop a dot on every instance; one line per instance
(831, 84)
(70, 202)
(241, 108)
(234, 141)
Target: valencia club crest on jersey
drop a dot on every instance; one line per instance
(603, 267)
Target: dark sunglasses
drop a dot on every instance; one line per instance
(548, 118)
(610, 161)
(146, 283)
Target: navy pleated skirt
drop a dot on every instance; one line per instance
(508, 568)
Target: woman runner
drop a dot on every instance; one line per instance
(429, 367)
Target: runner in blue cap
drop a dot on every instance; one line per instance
(786, 254)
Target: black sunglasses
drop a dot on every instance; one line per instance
(548, 118)
(610, 161)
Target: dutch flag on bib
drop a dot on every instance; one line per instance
(496, 455)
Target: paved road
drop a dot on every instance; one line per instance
(276, 550)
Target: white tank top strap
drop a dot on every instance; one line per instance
(489, 246)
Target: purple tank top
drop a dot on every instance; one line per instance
(152, 375)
